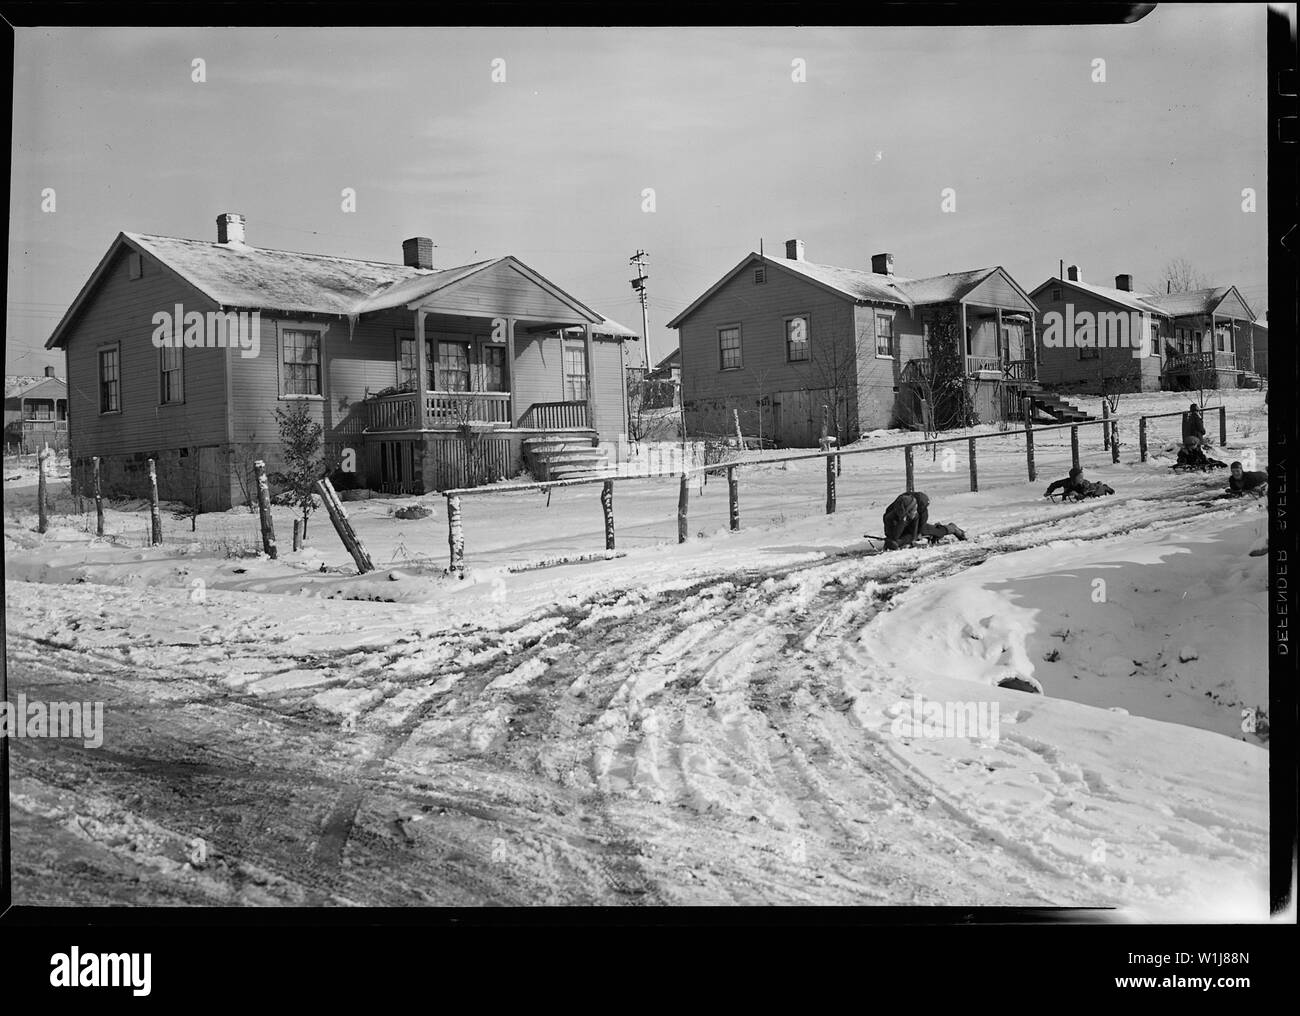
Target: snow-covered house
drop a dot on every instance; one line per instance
(1213, 332)
(181, 350)
(776, 339)
(1119, 312)
(36, 411)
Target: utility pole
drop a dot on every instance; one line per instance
(638, 285)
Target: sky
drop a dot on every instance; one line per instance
(552, 164)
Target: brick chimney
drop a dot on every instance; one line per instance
(1072, 273)
(49, 372)
(230, 228)
(794, 250)
(1124, 282)
(882, 264)
(417, 252)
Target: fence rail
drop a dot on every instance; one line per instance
(456, 535)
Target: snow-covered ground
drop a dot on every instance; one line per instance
(709, 722)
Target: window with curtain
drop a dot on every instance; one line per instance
(453, 367)
(407, 367)
(301, 361)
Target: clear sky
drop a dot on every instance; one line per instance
(551, 164)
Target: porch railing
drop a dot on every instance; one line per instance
(1021, 370)
(917, 370)
(978, 363)
(441, 409)
(1012, 370)
(36, 423)
(556, 416)
(1185, 363)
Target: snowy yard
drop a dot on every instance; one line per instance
(703, 723)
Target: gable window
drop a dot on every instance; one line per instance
(884, 335)
(134, 265)
(796, 338)
(729, 348)
(110, 380)
(171, 375)
(301, 352)
(1056, 295)
(575, 370)
(760, 276)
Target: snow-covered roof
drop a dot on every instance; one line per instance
(17, 385)
(1196, 301)
(1133, 301)
(863, 285)
(236, 275)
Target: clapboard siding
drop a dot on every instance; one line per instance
(503, 290)
(607, 388)
(1062, 367)
(538, 370)
(997, 291)
(121, 310)
(710, 394)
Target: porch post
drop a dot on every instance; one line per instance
(421, 368)
(1033, 336)
(1003, 354)
(961, 340)
(591, 374)
(510, 368)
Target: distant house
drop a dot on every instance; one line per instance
(1213, 338)
(36, 412)
(777, 339)
(1105, 366)
(1259, 347)
(430, 378)
(669, 368)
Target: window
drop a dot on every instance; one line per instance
(575, 370)
(1056, 295)
(760, 276)
(453, 367)
(1089, 353)
(109, 381)
(729, 348)
(796, 339)
(301, 361)
(38, 409)
(406, 366)
(134, 265)
(171, 374)
(494, 368)
(884, 335)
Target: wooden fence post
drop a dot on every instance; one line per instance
(1223, 426)
(740, 439)
(455, 536)
(264, 510)
(1028, 405)
(683, 500)
(607, 506)
(1074, 447)
(99, 502)
(1114, 439)
(733, 498)
(42, 507)
(830, 484)
(155, 516)
(297, 535)
(1142, 437)
(909, 467)
(1105, 427)
(974, 474)
(334, 507)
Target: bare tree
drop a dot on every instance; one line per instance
(1180, 277)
